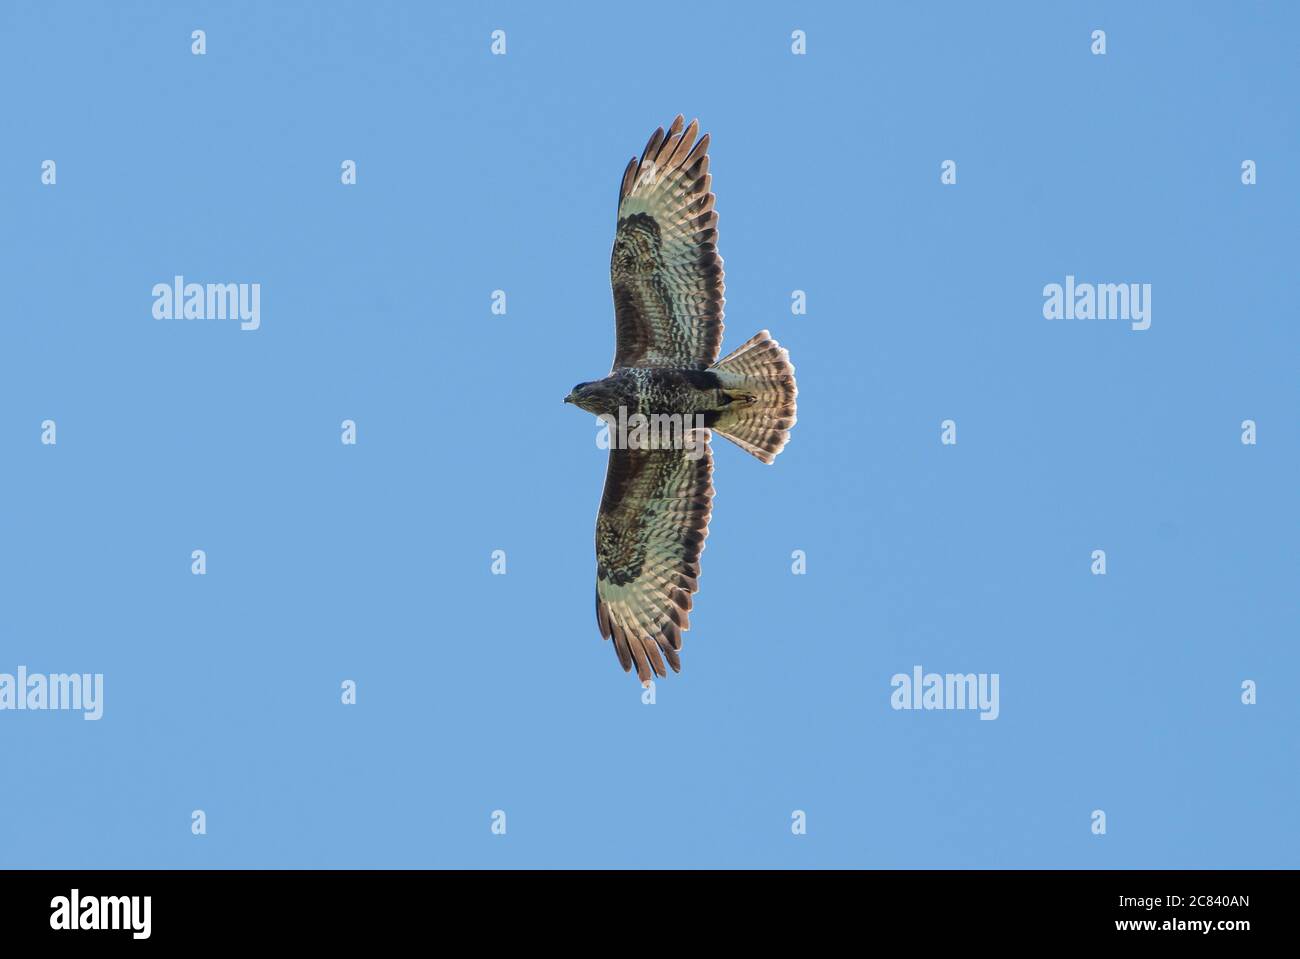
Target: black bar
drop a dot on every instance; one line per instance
(207, 907)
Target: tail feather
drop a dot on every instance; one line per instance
(759, 379)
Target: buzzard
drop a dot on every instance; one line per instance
(654, 514)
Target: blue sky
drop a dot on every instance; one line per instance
(372, 562)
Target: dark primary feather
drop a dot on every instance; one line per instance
(665, 269)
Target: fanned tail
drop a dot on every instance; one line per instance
(759, 378)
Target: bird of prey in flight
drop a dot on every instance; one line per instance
(654, 514)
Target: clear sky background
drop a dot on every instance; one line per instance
(373, 562)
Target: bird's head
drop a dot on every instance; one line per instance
(589, 396)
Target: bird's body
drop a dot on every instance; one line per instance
(668, 303)
(651, 391)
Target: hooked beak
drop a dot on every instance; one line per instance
(569, 398)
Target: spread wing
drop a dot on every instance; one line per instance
(665, 269)
(650, 532)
